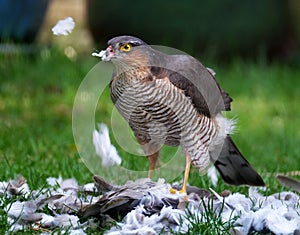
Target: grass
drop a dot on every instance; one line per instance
(36, 101)
(210, 222)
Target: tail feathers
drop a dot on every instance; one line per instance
(234, 168)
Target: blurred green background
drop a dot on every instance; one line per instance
(252, 45)
(221, 30)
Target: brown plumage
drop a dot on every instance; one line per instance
(175, 100)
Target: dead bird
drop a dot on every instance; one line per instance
(118, 201)
(289, 182)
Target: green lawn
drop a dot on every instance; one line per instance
(36, 101)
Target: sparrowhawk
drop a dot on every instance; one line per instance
(175, 100)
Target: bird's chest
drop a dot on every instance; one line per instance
(138, 100)
(154, 108)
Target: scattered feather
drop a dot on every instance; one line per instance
(100, 54)
(89, 188)
(146, 207)
(104, 148)
(65, 221)
(17, 186)
(52, 181)
(17, 209)
(213, 175)
(3, 187)
(64, 27)
(69, 185)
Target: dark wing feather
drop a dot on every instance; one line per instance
(233, 167)
(190, 90)
(188, 74)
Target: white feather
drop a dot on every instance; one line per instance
(3, 187)
(213, 175)
(17, 209)
(104, 148)
(64, 27)
(52, 181)
(100, 54)
(225, 127)
(277, 213)
(65, 221)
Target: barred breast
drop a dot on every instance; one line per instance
(162, 113)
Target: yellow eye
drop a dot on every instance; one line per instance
(126, 47)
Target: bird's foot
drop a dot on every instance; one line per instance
(181, 192)
(173, 191)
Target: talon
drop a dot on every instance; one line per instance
(182, 190)
(173, 191)
(186, 176)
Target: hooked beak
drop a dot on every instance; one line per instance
(105, 55)
(109, 53)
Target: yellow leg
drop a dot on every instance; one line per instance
(186, 175)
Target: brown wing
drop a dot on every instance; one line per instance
(188, 75)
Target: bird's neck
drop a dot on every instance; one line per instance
(133, 74)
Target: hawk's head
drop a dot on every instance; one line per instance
(126, 50)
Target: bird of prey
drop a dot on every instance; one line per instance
(175, 100)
